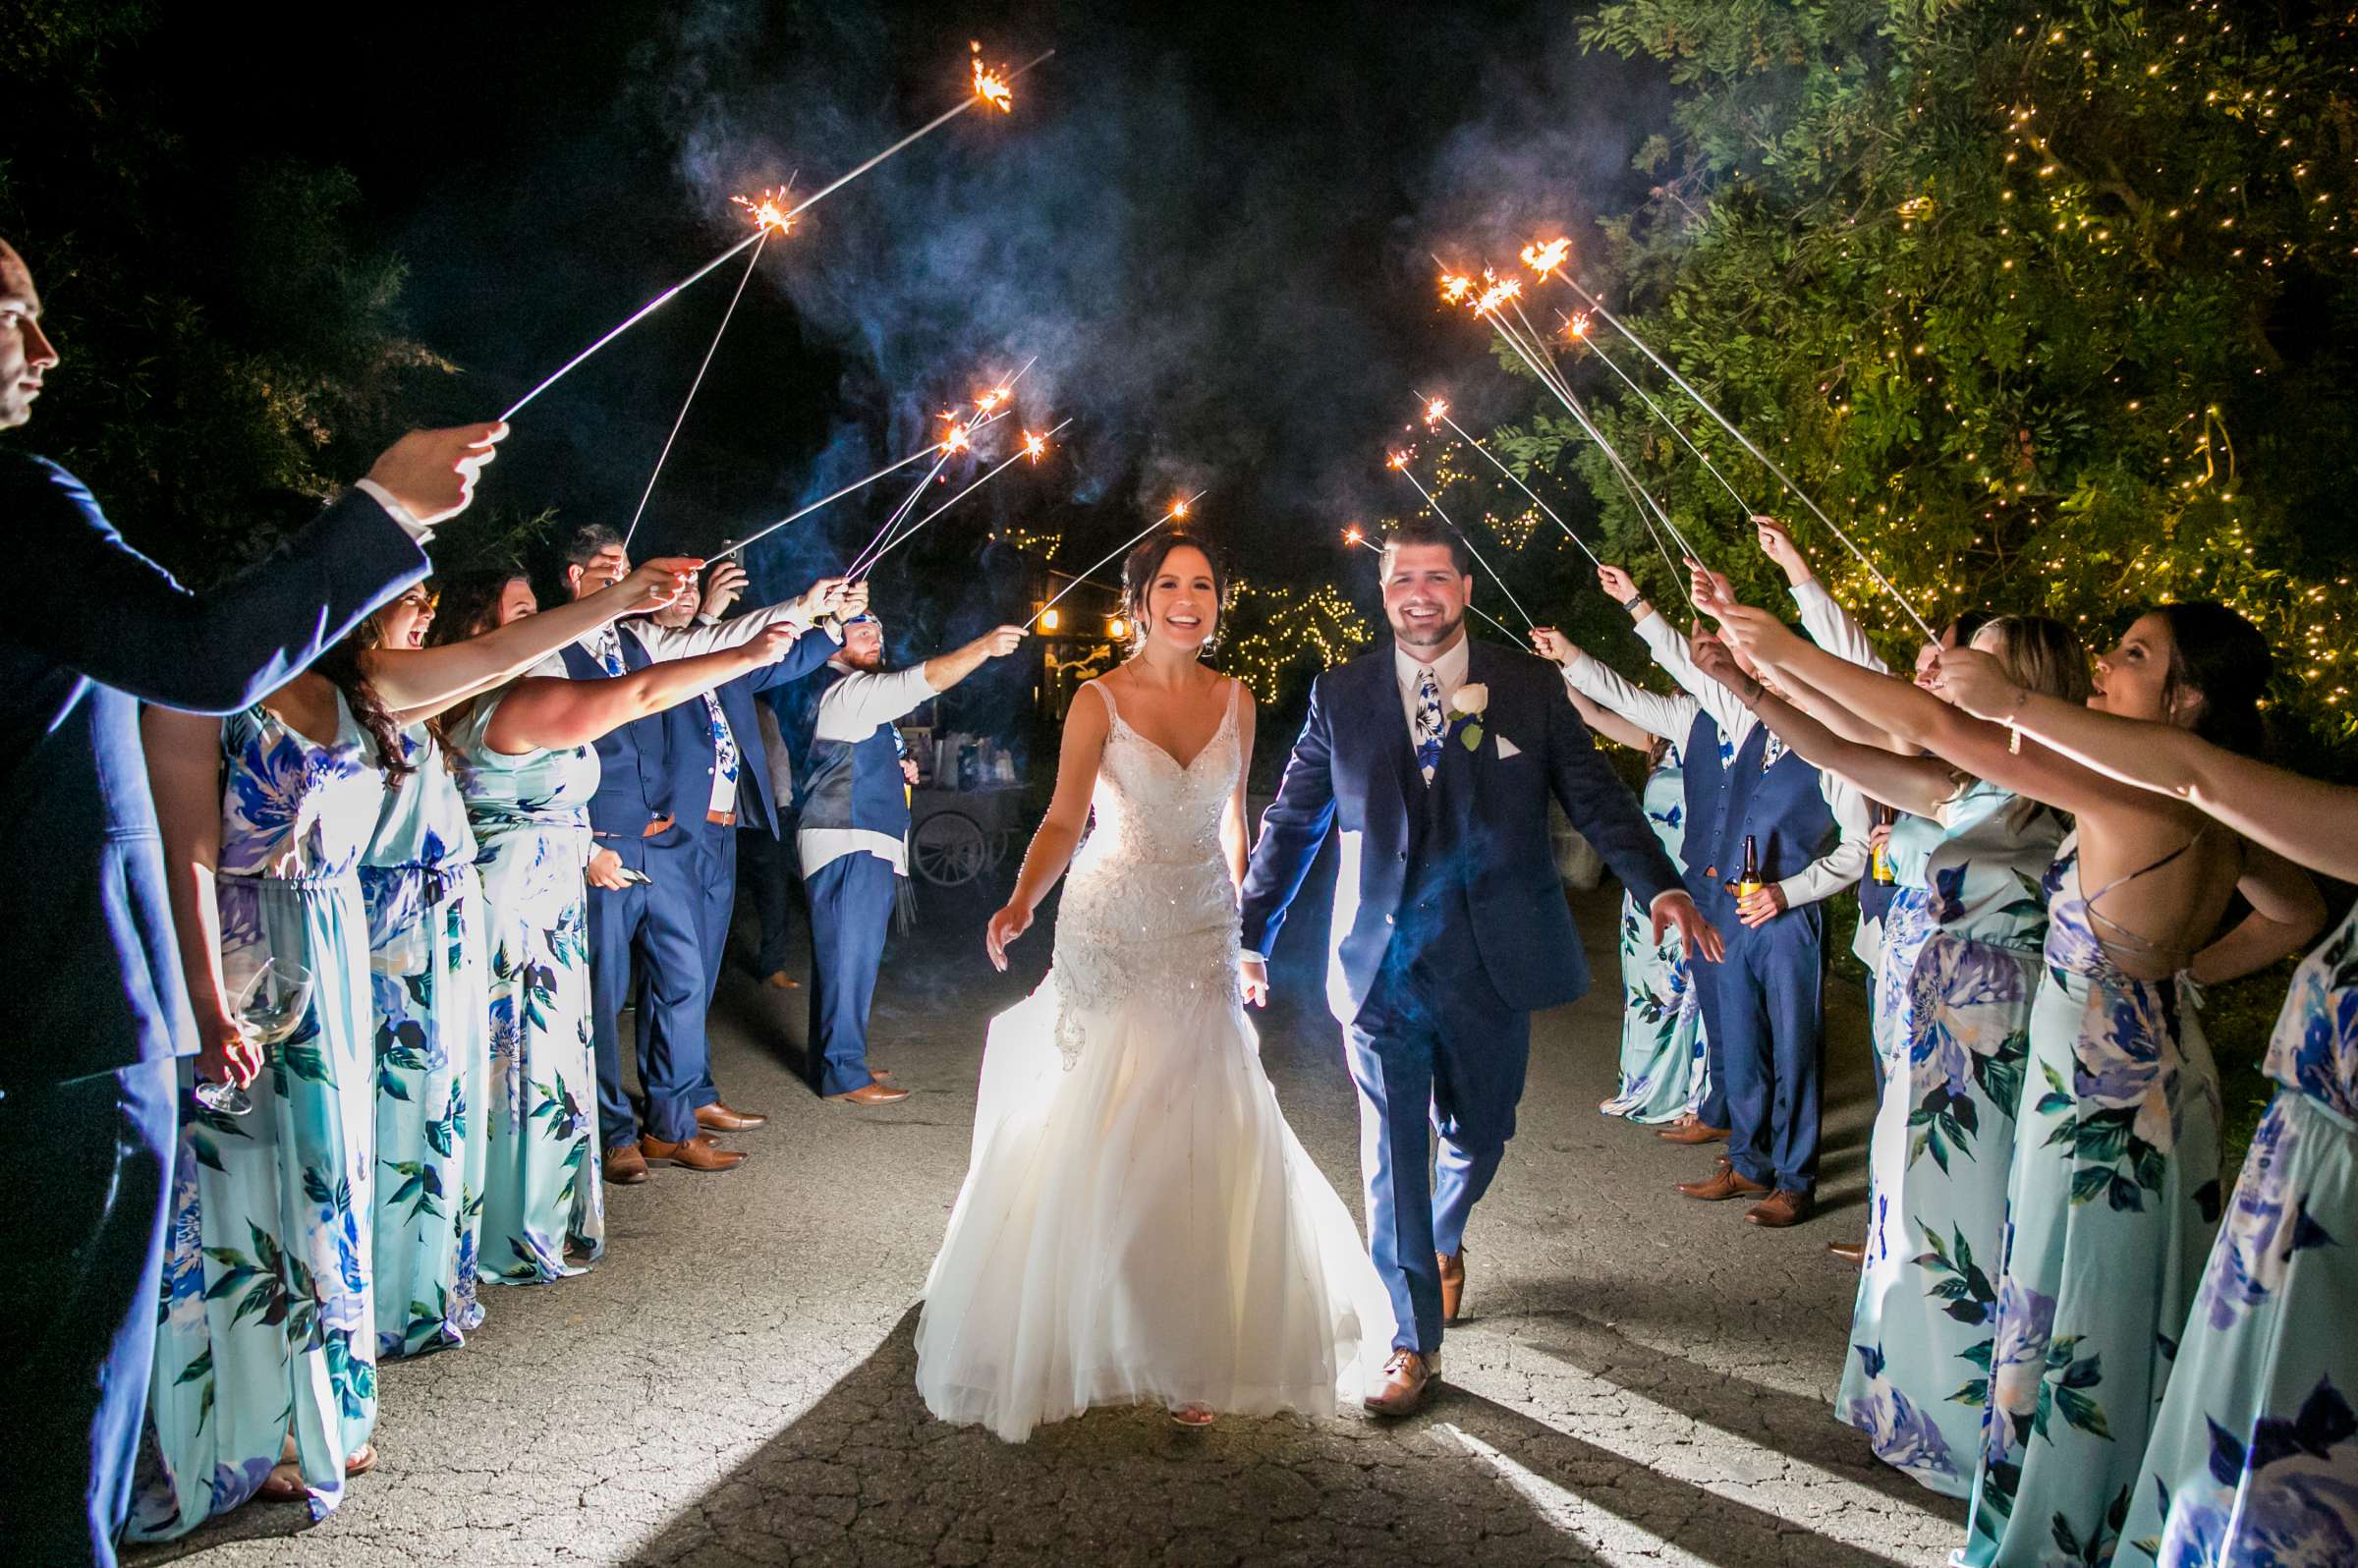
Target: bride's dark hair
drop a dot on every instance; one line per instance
(1145, 565)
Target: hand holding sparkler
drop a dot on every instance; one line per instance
(1618, 586)
(1782, 550)
(821, 599)
(1555, 646)
(1705, 587)
(653, 584)
(432, 473)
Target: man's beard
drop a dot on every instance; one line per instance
(1442, 632)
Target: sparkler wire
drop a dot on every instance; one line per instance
(795, 517)
(1518, 483)
(916, 528)
(1403, 469)
(1082, 577)
(664, 455)
(1004, 404)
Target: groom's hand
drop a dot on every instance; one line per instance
(1701, 938)
(1254, 982)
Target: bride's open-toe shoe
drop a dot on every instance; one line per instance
(1193, 1418)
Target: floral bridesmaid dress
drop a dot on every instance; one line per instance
(1662, 1071)
(541, 1196)
(2110, 1214)
(1959, 1017)
(267, 1328)
(2254, 1458)
(433, 1026)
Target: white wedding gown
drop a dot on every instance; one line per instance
(1139, 1223)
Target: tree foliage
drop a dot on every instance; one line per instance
(2049, 306)
(230, 354)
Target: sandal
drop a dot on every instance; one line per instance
(1192, 1417)
(360, 1461)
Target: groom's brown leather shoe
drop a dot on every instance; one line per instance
(719, 1118)
(695, 1154)
(1725, 1183)
(873, 1092)
(624, 1167)
(1453, 1283)
(1406, 1377)
(1780, 1209)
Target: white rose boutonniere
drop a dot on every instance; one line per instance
(1468, 706)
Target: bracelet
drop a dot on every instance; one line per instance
(2022, 699)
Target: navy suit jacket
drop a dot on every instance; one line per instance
(88, 963)
(691, 738)
(1353, 771)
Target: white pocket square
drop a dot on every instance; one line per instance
(1507, 749)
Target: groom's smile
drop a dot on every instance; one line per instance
(1424, 594)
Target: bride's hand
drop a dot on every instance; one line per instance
(1254, 975)
(1004, 928)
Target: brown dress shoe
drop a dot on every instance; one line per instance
(1780, 1209)
(624, 1167)
(1692, 1129)
(1453, 1283)
(1851, 1253)
(872, 1093)
(719, 1118)
(1406, 1377)
(1725, 1183)
(694, 1153)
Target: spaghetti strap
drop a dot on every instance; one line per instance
(1112, 708)
(2123, 933)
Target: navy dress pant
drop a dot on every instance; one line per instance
(716, 887)
(766, 872)
(84, 1227)
(1772, 1026)
(1721, 910)
(1439, 1060)
(657, 924)
(851, 913)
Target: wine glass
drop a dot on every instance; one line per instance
(269, 1008)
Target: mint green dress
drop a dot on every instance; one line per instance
(2110, 1215)
(2254, 1457)
(266, 1326)
(1957, 1017)
(541, 1198)
(433, 1048)
(1662, 1070)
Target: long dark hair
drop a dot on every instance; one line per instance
(341, 665)
(467, 608)
(2224, 660)
(1145, 564)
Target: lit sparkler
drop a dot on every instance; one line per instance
(1545, 256)
(1179, 509)
(918, 527)
(1455, 286)
(990, 86)
(1597, 305)
(1437, 410)
(766, 211)
(1034, 446)
(774, 219)
(829, 500)
(984, 415)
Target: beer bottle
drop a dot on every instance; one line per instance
(1881, 858)
(1748, 881)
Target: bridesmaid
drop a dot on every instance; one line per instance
(2115, 1193)
(1952, 1010)
(1665, 1073)
(524, 764)
(265, 1368)
(2254, 1456)
(428, 959)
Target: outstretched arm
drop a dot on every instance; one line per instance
(552, 714)
(1607, 723)
(2307, 820)
(1669, 717)
(1086, 727)
(1914, 784)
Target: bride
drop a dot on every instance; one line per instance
(1139, 1223)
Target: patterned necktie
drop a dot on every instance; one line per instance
(1429, 723)
(609, 651)
(724, 741)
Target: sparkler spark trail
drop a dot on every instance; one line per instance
(918, 527)
(1399, 462)
(990, 406)
(829, 500)
(1435, 409)
(686, 403)
(766, 217)
(1179, 509)
(1543, 257)
(1597, 305)
(989, 87)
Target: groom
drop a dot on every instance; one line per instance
(1434, 759)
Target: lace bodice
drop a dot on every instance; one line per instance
(1149, 909)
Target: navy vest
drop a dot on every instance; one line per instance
(1705, 780)
(1782, 810)
(847, 784)
(634, 786)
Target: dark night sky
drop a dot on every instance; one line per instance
(1211, 221)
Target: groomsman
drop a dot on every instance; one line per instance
(719, 756)
(1764, 1003)
(89, 1086)
(852, 801)
(643, 898)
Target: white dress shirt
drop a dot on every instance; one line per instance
(849, 710)
(703, 636)
(421, 532)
